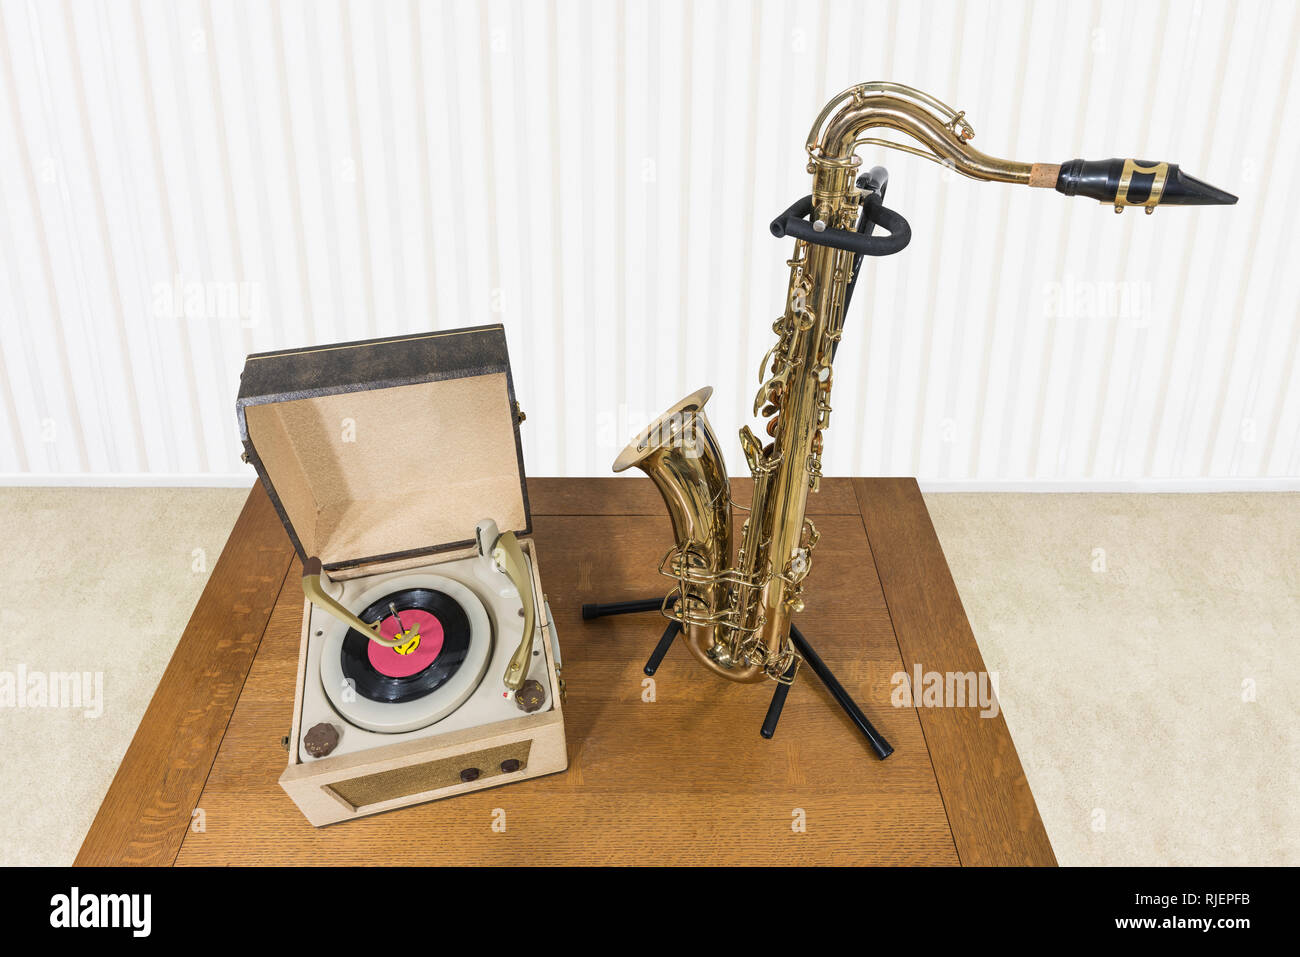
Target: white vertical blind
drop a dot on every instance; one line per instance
(185, 182)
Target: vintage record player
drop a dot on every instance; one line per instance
(428, 664)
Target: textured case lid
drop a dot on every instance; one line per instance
(386, 448)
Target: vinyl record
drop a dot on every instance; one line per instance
(386, 675)
(375, 688)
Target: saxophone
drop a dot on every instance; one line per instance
(735, 613)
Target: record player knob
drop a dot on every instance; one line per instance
(321, 739)
(531, 696)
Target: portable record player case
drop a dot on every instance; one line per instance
(382, 455)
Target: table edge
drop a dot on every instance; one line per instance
(991, 809)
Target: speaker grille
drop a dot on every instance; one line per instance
(430, 776)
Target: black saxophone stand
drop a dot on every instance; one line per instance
(794, 222)
(874, 738)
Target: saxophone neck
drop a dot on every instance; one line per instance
(944, 135)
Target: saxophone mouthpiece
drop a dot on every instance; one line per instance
(1130, 182)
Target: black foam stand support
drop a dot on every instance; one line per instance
(875, 739)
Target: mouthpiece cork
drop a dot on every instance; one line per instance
(1044, 175)
(1132, 182)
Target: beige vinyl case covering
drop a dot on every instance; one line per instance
(368, 466)
(391, 471)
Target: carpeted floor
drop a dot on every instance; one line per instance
(1146, 647)
(98, 581)
(1147, 652)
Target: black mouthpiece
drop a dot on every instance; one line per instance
(1130, 182)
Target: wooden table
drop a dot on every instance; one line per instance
(682, 779)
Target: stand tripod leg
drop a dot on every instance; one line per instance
(778, 703)
(591, 611)
(661, 649)
(600, 610)
(878, 744)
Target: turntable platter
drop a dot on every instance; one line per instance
(424, 679)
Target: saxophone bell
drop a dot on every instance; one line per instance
(680, 453)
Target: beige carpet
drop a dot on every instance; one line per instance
(1124, 688)
(99, 581)
(1155, 703)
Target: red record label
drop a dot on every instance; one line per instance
(400, 664)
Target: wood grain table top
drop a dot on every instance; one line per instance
(684, 778)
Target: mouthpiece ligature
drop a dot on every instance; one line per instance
(1130, 182)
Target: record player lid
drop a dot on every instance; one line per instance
(387, 448)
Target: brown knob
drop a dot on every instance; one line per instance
(531, 696)
(510, 765)
(321, 740)
(469, 774)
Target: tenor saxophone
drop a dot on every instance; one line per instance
(735, 609)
